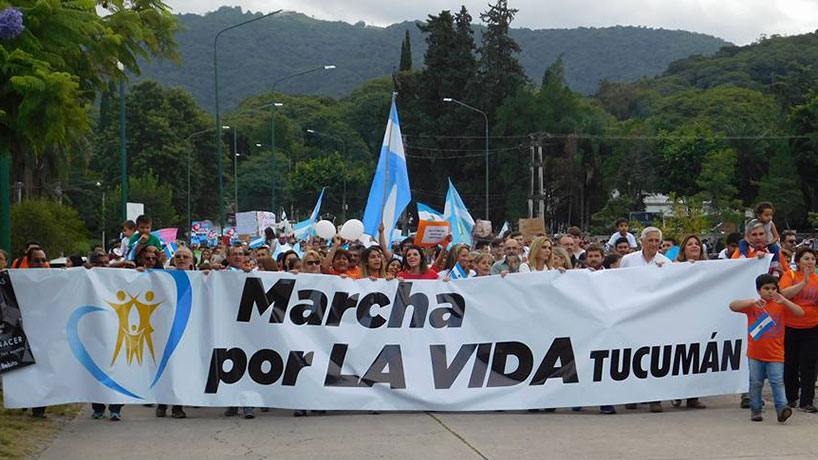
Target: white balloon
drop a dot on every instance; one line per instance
(352, 230)
(325, 229)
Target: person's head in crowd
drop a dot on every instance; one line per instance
(482, 245)
(755, 234)
(496, 249)
(354, 254)
(205, 265)
(788, 255)
(622, 246)
(372, 263)
(788, 240)
(340, 261)
(414, 261)
(622, 226)
(513, 263)
(74, 260)
(148, 257)
(144, 224)
(287, 258)
(516, 236)
(294, 264)
(262, 251)
(406, 244)
(731, 243)
(311, 262)
(611, 261)
(235, 257)
(459, 254)
(393, 268)
(183, 259)
(667, 244)
(269, 234)
(4, 259)
(128, 228)
(594, 255)
(511, 248)
(560, 258)
(651, 239)
(36, 257)
(805, 259)
(282, 237)
(567, 242)
(767, 286)
(207, 254)
(267, 264)
(691, 249)
(98, 259)
(539, 255)
(576, 233)
(764, 212)
(483, 263)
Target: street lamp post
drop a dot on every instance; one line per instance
(344, 150)
(219, 146)
(189, 222)
(486, 118)
(273, 123)
(123, 151)
(235, 168)
(99, 184)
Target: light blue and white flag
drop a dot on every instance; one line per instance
(460, 220)
(458, 272)
(257, 242)
(427, 213)
(760, 325)
(389, 194)
(503, 230)
(304, 229)
(170, 249)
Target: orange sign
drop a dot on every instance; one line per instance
(430, 233)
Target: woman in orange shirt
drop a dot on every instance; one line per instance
(801, 334)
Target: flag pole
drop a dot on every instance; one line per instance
(388, 155)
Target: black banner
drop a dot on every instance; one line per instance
(14, 349)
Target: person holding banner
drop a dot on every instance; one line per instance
(801, 333)
(415, 267)
(393, 268)
(482, 264)
(457, 263)
(372, 264)
(337, 260)
(651, 238)
(511, 250)
(311, 263)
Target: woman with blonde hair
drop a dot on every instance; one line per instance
(560, 259)
(539, 256)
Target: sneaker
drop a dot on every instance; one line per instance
(549, 410)
(115, 417)
(576, 409)
(745, 402)
(631, 406)
(793, 404)
(97, 415)
(607, 410)
(161, 410)
(810, 409)
(676, 403)
(231, 412)
(784, 414)
(694, 403)
(177, 412)
(656, 407)
(755, 416)
(300, 413)
(248, 413)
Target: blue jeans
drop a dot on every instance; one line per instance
(774, 372)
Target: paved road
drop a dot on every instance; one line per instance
(722, 431)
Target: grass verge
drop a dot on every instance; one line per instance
(22, 436)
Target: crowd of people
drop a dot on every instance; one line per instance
(786, 354)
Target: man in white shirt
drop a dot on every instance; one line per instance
(651, 239)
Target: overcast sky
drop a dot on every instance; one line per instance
(738, 21)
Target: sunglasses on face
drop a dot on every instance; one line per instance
(182, 256)
(312, 262)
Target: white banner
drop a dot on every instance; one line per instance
(530, 340)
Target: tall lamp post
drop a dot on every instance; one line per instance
(344, 151)
(486, 118)
(99, 184)
(123, 150)
(219, 146)
(189, 222)
(273, 122)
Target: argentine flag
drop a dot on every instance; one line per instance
(304, 229)
(458, 216)
(389, 194)
(458, 272)
(427, 213)
(760, 326)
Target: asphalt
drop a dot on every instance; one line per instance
(722, 431)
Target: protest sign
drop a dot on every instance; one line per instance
(529, 340)
(532, 227)
(430, 233)
(14, 349)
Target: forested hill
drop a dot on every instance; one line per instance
(252, 57)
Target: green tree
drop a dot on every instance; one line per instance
(717, 182)
(56, 227)
(781, 186)
(154, 195)
(803, 122)
(406, 54)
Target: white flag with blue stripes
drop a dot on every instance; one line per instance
(389, 194)
(458, 216)
(305, 229)
(760, 325)
(427, 213)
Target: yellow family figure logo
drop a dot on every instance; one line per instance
(135, 335)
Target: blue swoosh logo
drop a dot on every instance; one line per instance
(184, 302)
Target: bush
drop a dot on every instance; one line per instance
(58, 228)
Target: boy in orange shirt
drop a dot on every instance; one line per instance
(765, 343)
